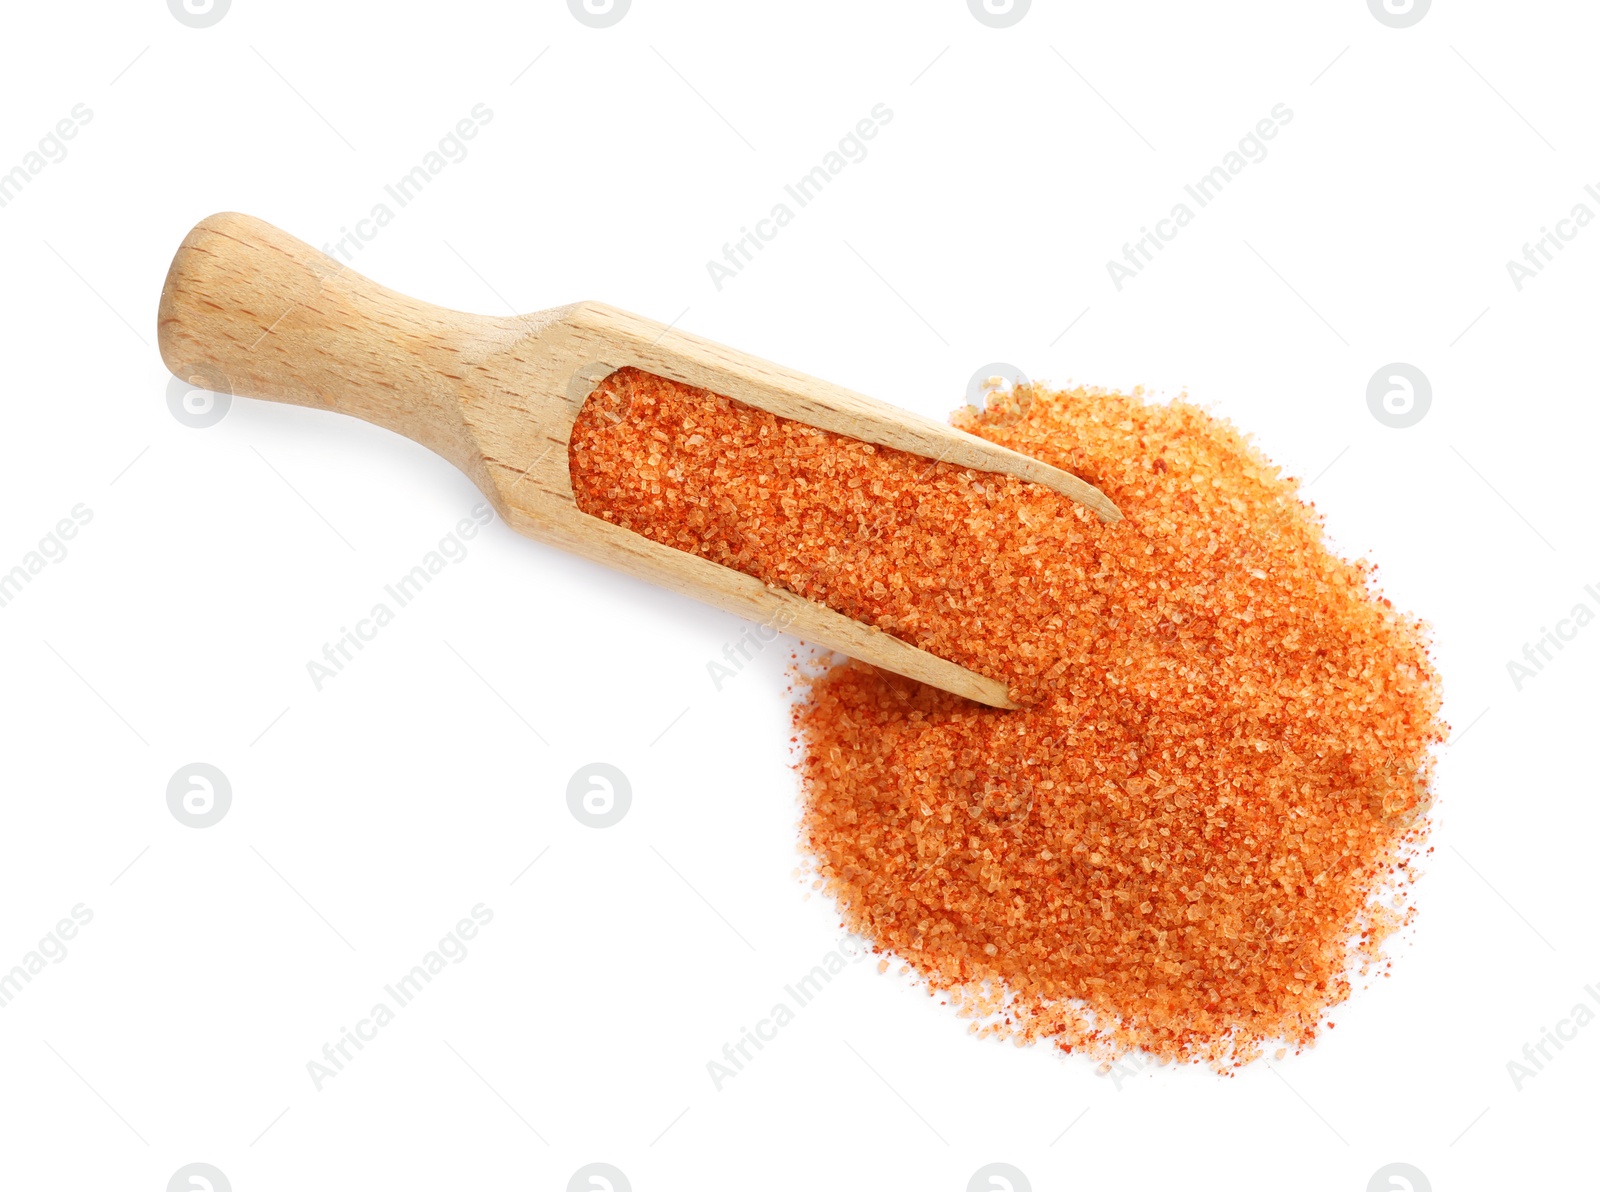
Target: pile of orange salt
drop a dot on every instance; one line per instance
(1202, 823)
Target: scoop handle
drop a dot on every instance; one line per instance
(248, 309)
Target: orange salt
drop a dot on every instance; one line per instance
(1203, 820)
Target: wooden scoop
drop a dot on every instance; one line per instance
(249, 310)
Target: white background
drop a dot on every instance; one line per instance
(370, 816)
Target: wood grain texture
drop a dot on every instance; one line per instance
(248, 309)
